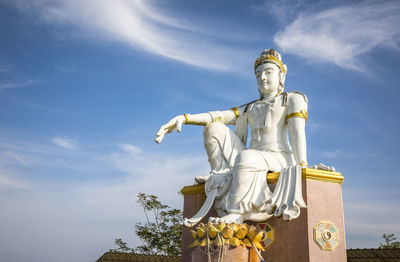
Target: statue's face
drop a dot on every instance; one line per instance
(267, 79)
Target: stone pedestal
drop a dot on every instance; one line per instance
(231, 254)
(317, 235)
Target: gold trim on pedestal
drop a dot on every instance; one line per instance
(322, 175)
(193, 189)
(306, 173)
(312, 174)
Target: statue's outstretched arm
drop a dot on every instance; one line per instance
(297, 117)
(227, 117)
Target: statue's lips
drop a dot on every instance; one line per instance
(264, 85)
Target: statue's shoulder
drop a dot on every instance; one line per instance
(296, 96)
(296, 101)
(245, 107)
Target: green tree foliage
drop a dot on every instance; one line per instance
(390, 240)
(122, 246)
(161, 234)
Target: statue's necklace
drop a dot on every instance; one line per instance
(268, 103)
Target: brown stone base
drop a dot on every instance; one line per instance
(231, 254)
(294, 240)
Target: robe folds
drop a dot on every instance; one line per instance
(240, 176)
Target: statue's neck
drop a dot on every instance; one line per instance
(270, 96)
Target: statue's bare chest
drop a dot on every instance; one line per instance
(265, 113)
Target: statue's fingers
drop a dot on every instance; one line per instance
(159, 139)
(179, 126)
(171, 128)
(167, 126)
(162, 130)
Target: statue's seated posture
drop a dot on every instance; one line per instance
(237, 180)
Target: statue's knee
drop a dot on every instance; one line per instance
(248, 158)
(213, 128)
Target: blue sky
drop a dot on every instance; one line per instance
(85, 85)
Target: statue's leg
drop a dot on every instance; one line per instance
(249, 191)
(249, 185)
(222, 146)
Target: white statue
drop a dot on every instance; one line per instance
(237, 182)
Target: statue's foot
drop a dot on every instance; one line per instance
(228, 219)
(201, 179)
(222, 172)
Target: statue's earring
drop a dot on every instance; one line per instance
(281, 82)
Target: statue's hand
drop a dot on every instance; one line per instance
(174, 124)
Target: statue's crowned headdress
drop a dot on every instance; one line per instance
(271, 55)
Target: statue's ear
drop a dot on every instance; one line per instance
(282, 77)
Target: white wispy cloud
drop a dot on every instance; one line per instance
(149, 173)
(17, 84)
(67, 143)
(341, 35)
(13, 157)
(142, 26)
(9, 182)
(283, 10)
(332, 154)
(17, 81)
(5, 68)
(85, 215)
(369, 214)
(131, 148)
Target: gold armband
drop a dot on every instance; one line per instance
(188, 122)
(303, 114)
(235, 111)
(186, 119)
(303, 164)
